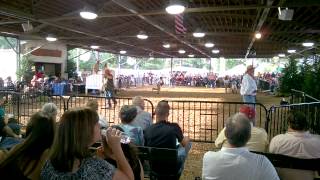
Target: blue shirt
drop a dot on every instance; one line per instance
(135, 133)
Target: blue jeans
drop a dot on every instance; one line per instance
(182, 155)
(249, 99)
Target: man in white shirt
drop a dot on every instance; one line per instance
(259, 137)
(248, 88)
(235, 161)
(297, 142)
(143, 118)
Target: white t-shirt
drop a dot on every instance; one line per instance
(237, 163)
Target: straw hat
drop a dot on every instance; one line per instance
(250, 67)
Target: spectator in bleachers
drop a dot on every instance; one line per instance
(235, 161)
(130, 152)
(10, 84)
(143, 118)
(8, 138)
(297, 142)
(1, 83)
(164, 134)
(127, 114)
(14, 124)
(93, 104)
(70, 154)
(259, 137)
(50, 110)
(25, 160)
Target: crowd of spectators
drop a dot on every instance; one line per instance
(51, 150)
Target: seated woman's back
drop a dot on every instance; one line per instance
(127, 114)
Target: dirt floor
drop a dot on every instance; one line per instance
(193, 163)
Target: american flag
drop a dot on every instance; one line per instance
(180, 29)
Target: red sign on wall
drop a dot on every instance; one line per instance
(47, 52)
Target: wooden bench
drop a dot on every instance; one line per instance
(160, 163)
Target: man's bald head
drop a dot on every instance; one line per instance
(238, 130)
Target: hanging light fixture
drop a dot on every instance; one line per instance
(291, 51)
(51, 38)
(215, 51)
(122, 52)
(175, 7)
(166, 45)
(23, 42)
(191, 55)
(307, 44)
(94, 47)
(258, 35)
(198, 33)
(181, 51)
(142, 35)
(88, 13)
(282, 55)
(209, 44)
(276, 57)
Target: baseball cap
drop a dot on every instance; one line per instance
(248, 111)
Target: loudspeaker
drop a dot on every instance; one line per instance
(27, 27)
(286, 14)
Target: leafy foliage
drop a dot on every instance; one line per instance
(25, 68)
(304, 77)
(71, 68)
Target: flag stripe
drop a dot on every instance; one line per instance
(179, 27)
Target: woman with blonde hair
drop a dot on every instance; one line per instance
(71, 157)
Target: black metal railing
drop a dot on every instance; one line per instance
(110, 113)
(278, 115)
(201, 121)
(23, 105)
(301, 97)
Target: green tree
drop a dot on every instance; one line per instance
(156, 63)
(25, 68)
(232, 63)
(291, 78)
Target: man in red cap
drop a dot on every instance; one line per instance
(259, 137)
(248, 88)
